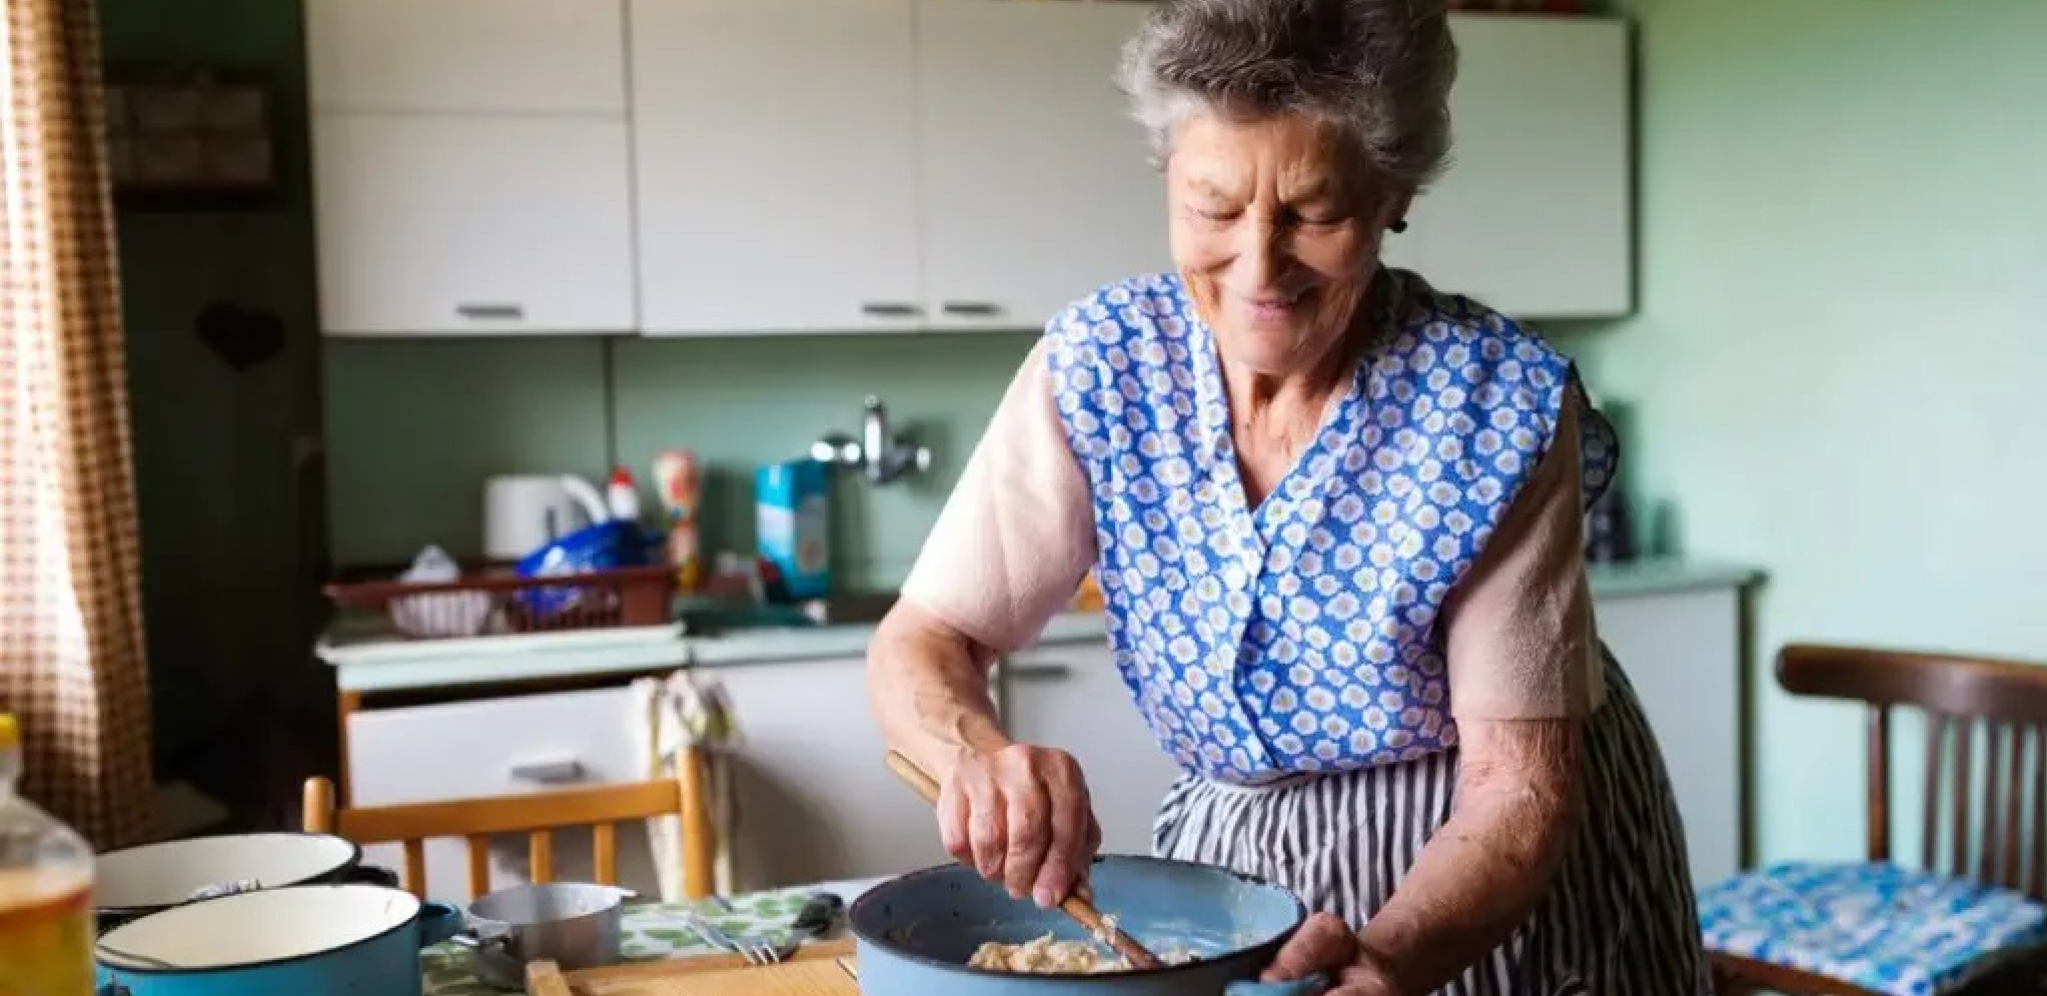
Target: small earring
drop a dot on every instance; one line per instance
(1399, 226)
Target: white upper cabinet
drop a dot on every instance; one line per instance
(1535, 217)
(1034, 182)
(479, 225)
(454, 56)
(704, 167)
(470, 166)
(775, 165)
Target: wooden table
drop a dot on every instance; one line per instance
(655, 931)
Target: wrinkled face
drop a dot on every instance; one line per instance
(1275, 228)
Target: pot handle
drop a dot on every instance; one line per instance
(438, 922)
(476, 940)
(372, 875)
(1311, 985)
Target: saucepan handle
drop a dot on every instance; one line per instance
(1312, 985)
(438, 922)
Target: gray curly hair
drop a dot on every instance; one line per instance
(1378, 69)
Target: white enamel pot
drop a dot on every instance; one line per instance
(140, 880)
(308, 940)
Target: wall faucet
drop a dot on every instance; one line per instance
(880, 457)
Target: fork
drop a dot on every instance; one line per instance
(755, 950)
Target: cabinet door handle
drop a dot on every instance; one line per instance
(888, 309)
(1040, 672)
(973, 309)
(488, 310)
(549, 772)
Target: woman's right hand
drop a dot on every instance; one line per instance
(1020, 815)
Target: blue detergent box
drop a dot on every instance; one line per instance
(792, 525)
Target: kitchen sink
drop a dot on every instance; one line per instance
(845, 608)
(850, 607)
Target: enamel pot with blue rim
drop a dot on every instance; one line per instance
(913, 935)
(136, 881)
(310, 940)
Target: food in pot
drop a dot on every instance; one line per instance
(1045, 956)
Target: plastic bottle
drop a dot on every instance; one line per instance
(622, 496)
(46, 925)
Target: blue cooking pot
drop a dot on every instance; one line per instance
(913, 935)
(311, 940)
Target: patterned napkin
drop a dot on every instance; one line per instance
(651, 931)
(690, 709)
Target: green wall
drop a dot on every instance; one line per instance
(1835, 370)
(229, 548)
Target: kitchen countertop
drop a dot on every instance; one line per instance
(390, 665)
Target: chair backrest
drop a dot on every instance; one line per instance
(538, 815)
(2004, 840)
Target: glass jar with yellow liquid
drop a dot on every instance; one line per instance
(46, 927)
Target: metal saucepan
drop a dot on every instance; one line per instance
(575, 925)
(914, 934)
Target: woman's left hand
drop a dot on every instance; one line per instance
(1326, 944)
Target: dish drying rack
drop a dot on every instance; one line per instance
(497, 601)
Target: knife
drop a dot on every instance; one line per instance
(818, 915)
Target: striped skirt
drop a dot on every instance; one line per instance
(1619, 920)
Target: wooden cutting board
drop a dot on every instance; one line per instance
(824, 969)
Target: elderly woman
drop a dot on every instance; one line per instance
(1336, 516)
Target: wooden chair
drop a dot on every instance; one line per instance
(2002, 843)
(538, 815)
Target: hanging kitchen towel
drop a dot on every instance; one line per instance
(680, 711)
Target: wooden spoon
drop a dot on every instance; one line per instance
(1076, 905)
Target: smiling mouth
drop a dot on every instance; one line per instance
(1274, 305)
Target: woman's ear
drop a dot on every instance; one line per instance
(1393, 213)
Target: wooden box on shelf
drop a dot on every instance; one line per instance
(182, 137)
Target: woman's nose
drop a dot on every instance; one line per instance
(1261, 253)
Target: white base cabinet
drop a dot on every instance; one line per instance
(816, 798)
(1682, 651)
(1071, 696)
(500, 746)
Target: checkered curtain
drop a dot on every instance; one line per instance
(71, 651)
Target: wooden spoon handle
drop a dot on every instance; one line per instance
(1079, 905)
(913, 776)
(1084, 913)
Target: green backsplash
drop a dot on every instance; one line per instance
(414, 427)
